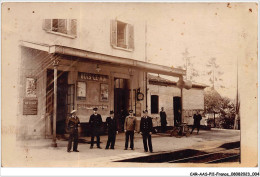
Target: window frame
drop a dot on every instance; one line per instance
(155, 112)
(129, 43)
(68, 23)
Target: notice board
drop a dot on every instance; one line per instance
(30, 107)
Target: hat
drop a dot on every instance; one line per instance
(95, 109)
(111, 112)
(130, 111)
(145, 111)
(73, 111)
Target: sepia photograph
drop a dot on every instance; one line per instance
(129, 84)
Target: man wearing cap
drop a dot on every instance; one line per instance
(129, 128)
(95, 123)
(72, 125)
(146, 128)
(112, 130)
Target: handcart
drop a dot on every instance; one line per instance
(180, 130)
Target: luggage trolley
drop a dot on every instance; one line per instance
(180, 130)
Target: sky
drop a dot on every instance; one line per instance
(207, 30)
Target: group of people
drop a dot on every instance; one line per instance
(95, 122)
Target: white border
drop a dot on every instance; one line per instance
(184, 171)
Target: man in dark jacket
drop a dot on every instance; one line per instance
(146, 128)
(95, 123)
(163, 119)
(130, 129)
(72, 126)
(111, 130)
(197, 117)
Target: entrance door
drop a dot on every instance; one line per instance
(177, 110)
(121, 100)
(62, 91)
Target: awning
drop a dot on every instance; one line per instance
(145, 66)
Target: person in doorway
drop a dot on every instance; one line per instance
(197, 117)
(72, 125)
(95, 123)
(129, 129)
(178, 121)
(163, 117)
(146, 128)
(124, 114)
(112, 130)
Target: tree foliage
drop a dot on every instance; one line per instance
(223, 106)
(212, 101)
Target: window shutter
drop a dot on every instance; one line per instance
(113, 35)
(73, 27)
(46, 25)
(131, 36)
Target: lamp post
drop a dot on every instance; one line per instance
(183, 84)
(55, 65)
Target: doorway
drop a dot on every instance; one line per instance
(62, 93)
(177, 110)
(121, 100)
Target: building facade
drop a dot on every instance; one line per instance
(87, 58)
(165, 93)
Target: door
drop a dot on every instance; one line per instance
(62, 91)
(121, 101)
(177, 110)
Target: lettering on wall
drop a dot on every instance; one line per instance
(90, 106)
(92, 77)
(30, 107)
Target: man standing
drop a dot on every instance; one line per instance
(163, 119)
(146, 128)
(129, 128)
(72, 125)
(197, 117)
(95, 123)
(112, 130)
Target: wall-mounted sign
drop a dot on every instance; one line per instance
(30, 107)
(103, 92)
(92, 77)
(81, 90)
(30, 90)
(90, 106)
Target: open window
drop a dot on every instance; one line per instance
(122, 35)
(65, 27)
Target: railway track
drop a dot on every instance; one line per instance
(219, 156)
(229, 152)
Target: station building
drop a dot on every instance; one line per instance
(81, 61)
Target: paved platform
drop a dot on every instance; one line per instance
(39, 153)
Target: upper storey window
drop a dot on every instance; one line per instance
(122, 35)
(64, 27)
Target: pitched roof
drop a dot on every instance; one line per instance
(157, 80)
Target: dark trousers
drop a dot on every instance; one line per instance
(111, 140)
(131, 135)
(73, 136)
(163, 127)
(149, 137)
(196, 126)
(98, 140)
